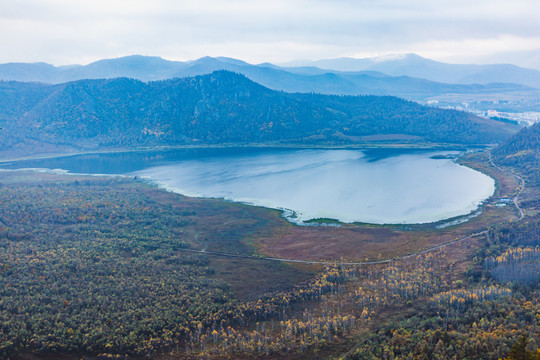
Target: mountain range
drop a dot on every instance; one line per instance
(411, 77)
(217, 108)
(416, 66)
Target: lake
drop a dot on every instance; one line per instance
(373, 186)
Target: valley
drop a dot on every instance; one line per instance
(324, 311)
(118, 240)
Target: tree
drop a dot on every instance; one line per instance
(519, 350)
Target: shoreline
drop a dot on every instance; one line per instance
(288, 214)
(359, 146)
(295, 242)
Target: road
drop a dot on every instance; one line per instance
(521, 186)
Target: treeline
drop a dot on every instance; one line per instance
(315, 314)
(219, 108)
(96, 267)
(469, 329)
(443, 316)
(516, 265)
(475, 317)
(512, 253)
(274, 324)
(405, 280)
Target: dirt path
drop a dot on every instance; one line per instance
(314, 262)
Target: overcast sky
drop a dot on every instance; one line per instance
(81, 31)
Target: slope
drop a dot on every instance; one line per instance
(220, 108)
(522, 152)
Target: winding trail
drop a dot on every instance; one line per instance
(315, 262)
(437, 247)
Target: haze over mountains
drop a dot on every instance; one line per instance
(419, 67)
(219, 108)
(411, 77)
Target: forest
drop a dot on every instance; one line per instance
(218, 108)
(522, 153)
(78, 275)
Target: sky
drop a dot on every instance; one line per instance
(63, 32)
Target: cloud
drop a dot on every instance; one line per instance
(64, 31)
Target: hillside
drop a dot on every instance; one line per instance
(522, 152)
(219, 108)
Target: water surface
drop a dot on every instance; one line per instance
(376, 186)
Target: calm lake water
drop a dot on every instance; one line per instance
(375, 186)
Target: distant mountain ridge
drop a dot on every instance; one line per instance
(297, 79)
(419, 67)
(219, 108)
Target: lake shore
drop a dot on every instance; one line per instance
(369, 168)
(360, 242)
(367, 145)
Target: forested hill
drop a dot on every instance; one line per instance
(522, 151)
(219, 108)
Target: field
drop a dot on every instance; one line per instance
(115, 268)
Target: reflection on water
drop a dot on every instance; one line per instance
(347, 185)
